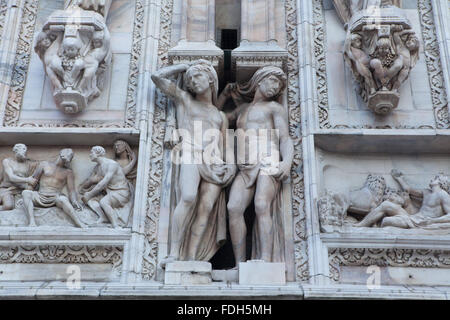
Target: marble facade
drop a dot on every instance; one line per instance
(344, 163)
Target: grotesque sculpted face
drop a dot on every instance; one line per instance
(20, 151)
(71, 47)
(66, 156)
(270, 86)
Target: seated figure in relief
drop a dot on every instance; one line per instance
(109, 183)
(17, 176)
(53, 177)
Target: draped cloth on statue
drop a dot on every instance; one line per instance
(267, 163)
(215, 234)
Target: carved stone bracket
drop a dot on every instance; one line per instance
(74, 46)
(381, 49)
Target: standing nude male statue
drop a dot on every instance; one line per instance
(109, 178)
(53, 177)
(259, 180)
(17, 176)
(199, 219)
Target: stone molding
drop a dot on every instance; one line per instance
(297, 177)
(3, 12)
(21, 63)
(382, 257)
(155, 174)
(74, 254)
(434, 64)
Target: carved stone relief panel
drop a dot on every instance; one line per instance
(31, 101)
(65, 187)
(386, 193)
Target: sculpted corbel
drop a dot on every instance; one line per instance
(381, 49)
(75, 48)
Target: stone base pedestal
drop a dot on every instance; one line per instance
(70, 101)
(188, 273)
(258, 272)
(383, 102)
(225, 275)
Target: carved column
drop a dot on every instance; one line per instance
(75, 48)
(197, 35)
(259, 37)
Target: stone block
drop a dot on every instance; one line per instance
(258, 272)
(225, 275)
(188, 273)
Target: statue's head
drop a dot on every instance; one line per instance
(200, 77)
(44, 40)
(384, 46)
(121, 146)
(20, 151)
(66, 156)
(376, 184)
(440, 180)
(270, 81)
(97, 152)
(412, 42)
(97, 39)
(356, 41)
(72, 46)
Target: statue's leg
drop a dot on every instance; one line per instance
(7, 202)
(54, 78)
(63, 203)
(402, 76)
(209, 193)
(189, 186)
(265, 193)
(394, 222)
(373, 217)
(395, 68)
(106, 203)
(239, 200)
(379, 73)
(94, 205)
(29, 206)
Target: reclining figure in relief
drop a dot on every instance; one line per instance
(399, 211)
